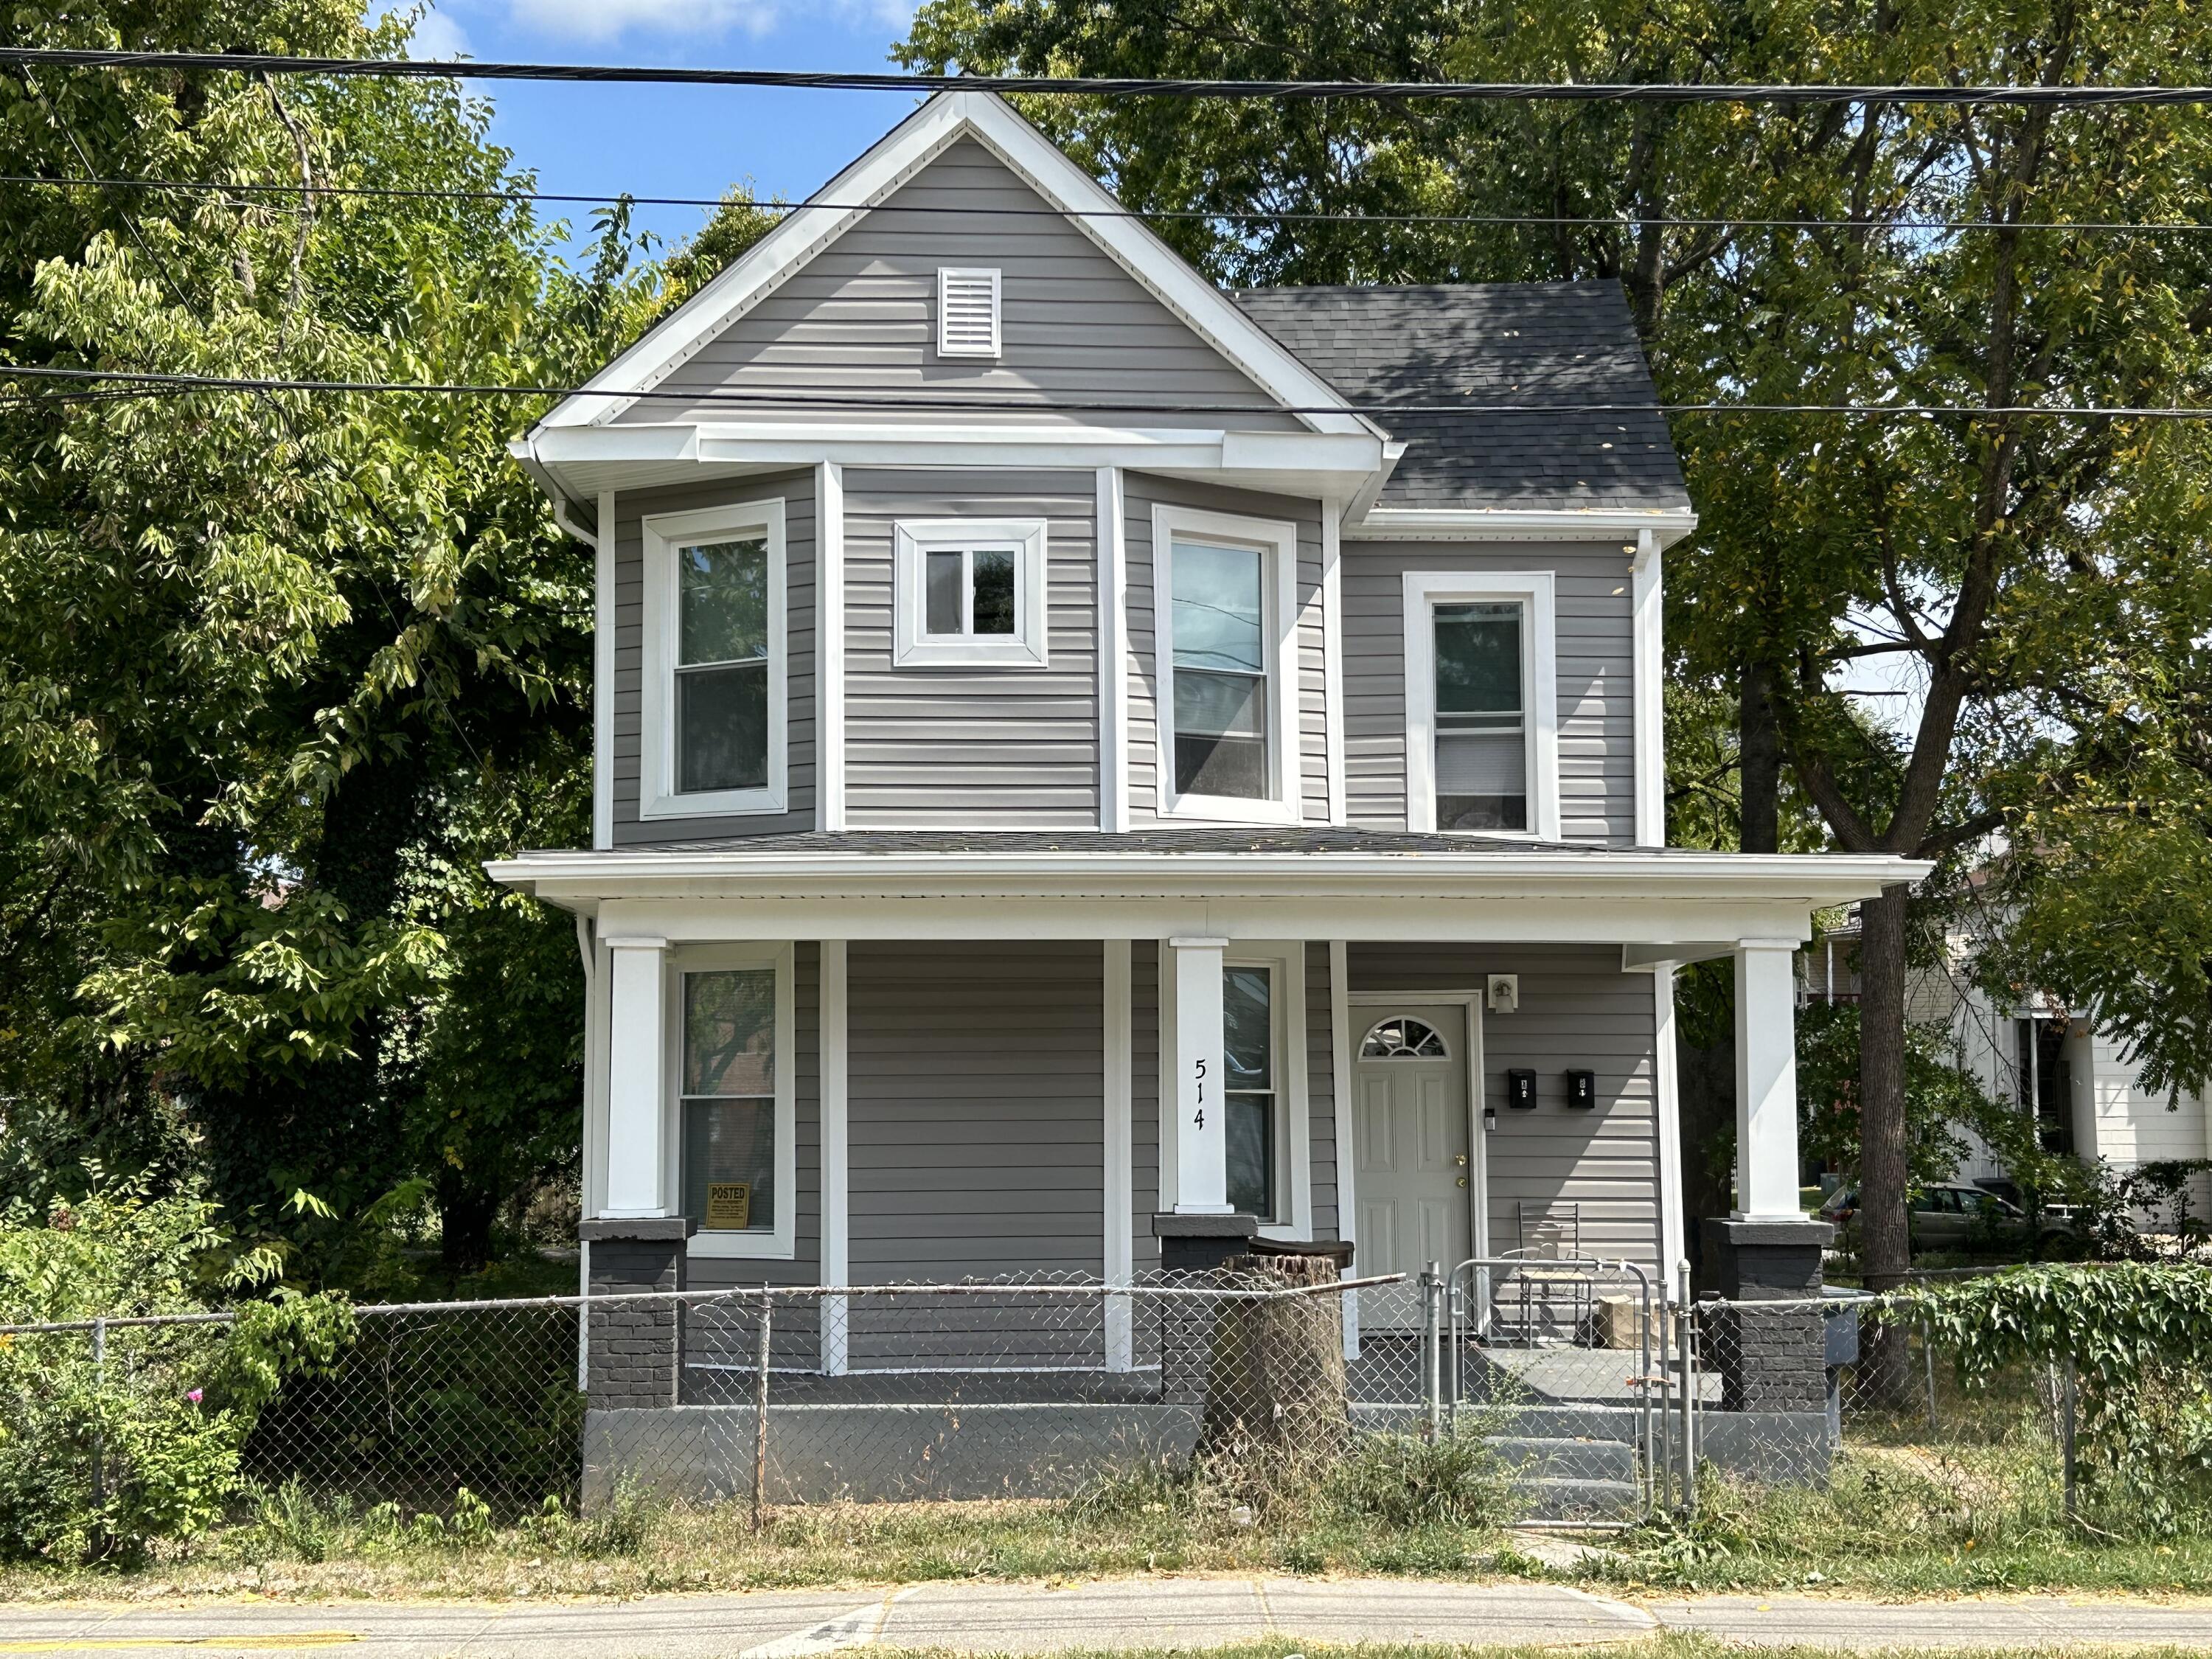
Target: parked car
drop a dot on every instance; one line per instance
(1948, 1215)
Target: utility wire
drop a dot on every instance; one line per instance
(771, 396)
(1111, 86)
(1237, 216)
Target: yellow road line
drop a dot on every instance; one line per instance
(275, 1641)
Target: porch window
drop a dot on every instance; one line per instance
(729, 1100)
(1249, 1029)
(1225, 604)
(1482, 729)
(970, 594)
(713, 681)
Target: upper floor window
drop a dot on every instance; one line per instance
(1225, 608)
(1481, 729)
(970, 593)
(713, 701)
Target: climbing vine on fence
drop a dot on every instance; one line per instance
(2139, 1338)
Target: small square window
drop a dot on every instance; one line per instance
(970, 594)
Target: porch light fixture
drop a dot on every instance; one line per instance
(1505, 995)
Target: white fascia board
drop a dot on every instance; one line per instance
(1480, 524)
(1819, 879)
(1343, 460)
(893, 160)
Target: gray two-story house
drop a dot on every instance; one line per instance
(1091, 767)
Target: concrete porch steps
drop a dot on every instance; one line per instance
(1571, 1480)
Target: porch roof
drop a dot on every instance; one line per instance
(1318, 882)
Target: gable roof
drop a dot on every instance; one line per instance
(1537, 343)
(889, 163)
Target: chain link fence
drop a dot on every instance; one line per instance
(1589, 1395)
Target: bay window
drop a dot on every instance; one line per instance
(1224, 604)
(712, 702)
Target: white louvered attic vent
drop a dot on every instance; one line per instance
(967, 312)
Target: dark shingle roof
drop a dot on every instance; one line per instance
(1541, 343)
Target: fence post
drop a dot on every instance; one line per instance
(1928, 1354)
(1689, 1411)
(1432, 1355)
(760, 1414)
(99, 1408)
(2066, 1397)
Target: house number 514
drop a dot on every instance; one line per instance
(1198, 1119)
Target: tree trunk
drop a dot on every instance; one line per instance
(1885, 1232)
(464, 1218)
(1758, 763)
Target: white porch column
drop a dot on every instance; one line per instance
(637, 1039)
(1766, 1081)
(1201, 1127)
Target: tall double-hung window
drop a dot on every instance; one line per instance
(712, 693)
(1248, 1026)
(735, 1099)
(1481, 727)
(1224, 611)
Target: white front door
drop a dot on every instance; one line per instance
(1414, 1172)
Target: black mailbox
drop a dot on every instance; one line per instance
(1582, 1088)
(1521, 1088)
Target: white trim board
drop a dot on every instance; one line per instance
(891, 161)
(663, 534)
(1533, 590)
(603, 624)
(1648, 657)
(1113, 553)
(830, 646)
(1278, 539)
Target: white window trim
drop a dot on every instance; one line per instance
(1294, 1139)
(1533, 590)
(913, 647)
(1279, 632)
(780, 1243)
(664, 533)
(946, 276)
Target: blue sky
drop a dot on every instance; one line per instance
(675, 140)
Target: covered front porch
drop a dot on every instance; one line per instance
(940, 1056)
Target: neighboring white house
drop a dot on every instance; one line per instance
(2055, 1062)
(1091, 767)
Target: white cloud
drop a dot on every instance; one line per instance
(608, 20)
(437, 35)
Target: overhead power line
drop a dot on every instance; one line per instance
(1235, 215)
(774, 397)
(1109, 86)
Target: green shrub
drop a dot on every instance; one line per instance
(2138, 1339)
(104, 1455)
(1457, 1481)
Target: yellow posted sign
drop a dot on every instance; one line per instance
(729, 1205)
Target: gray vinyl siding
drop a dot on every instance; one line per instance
(1144, 1101)
(1596, 677)
(632, 508)
(1009, 748)
(717, 1273)
(1576, 1009)
(1321, 1089)
(1141, 493)
(977, 1101)
(861, 315)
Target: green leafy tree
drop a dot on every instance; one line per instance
(1975, 552)
(278, 671)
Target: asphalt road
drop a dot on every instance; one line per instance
(1026, 1619)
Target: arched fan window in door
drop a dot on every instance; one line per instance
(1404, 1038)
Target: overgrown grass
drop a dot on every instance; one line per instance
(1896, 1519)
